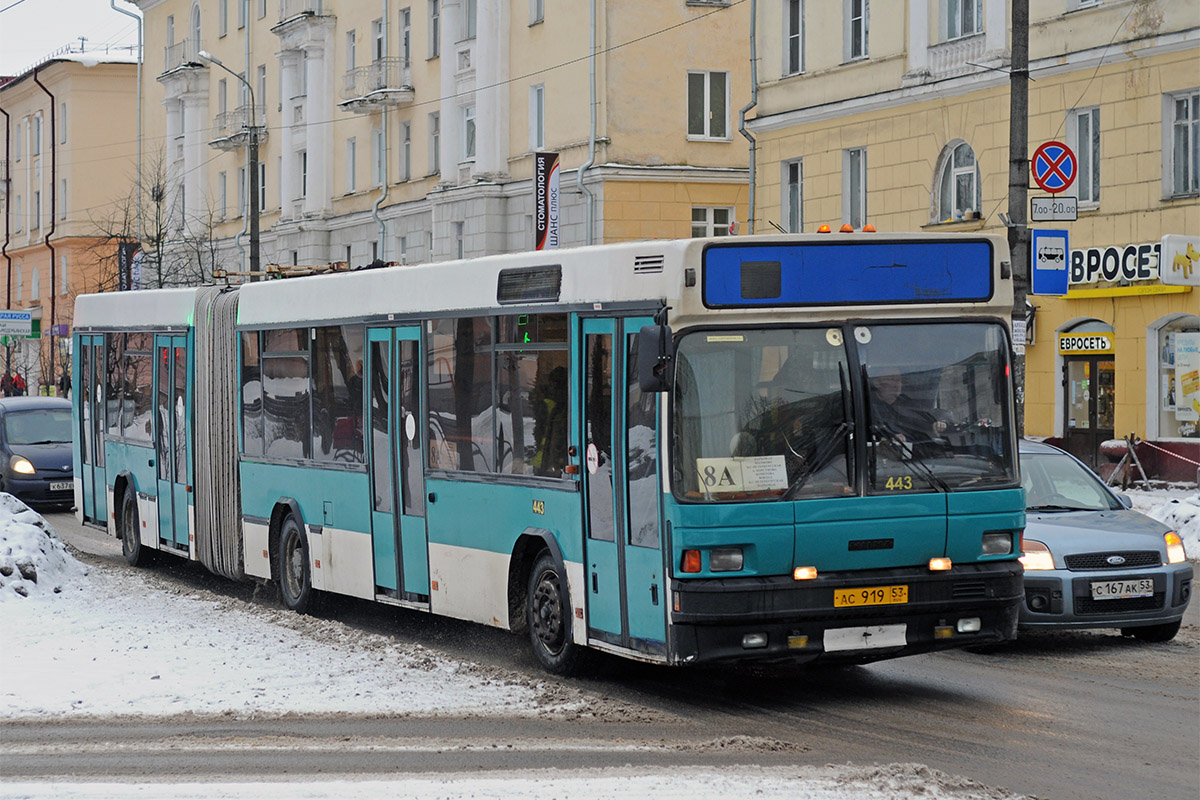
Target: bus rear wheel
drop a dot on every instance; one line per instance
(550, 619)
(131, 534)
(295, 581)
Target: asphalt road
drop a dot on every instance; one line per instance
(1080, 715)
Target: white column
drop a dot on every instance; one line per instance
(492, 93)
(289, 69)
(197, 124)
(918, 37)
(451, 115)
(318, 136)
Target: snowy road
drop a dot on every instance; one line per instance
(1059, 716)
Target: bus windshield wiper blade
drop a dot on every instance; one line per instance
(824, 449)
(886, 434)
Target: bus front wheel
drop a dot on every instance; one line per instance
(131, 535)
(295, 581)
(550, 619)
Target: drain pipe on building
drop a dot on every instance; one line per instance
(753, 102)
(4, 181)
(53, 218)
(383, 153)
(113, 4)
(589, 200)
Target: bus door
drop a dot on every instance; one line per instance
(396, 460)
(89, 394)
(171, 447)
(623, 550)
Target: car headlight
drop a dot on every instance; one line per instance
(1035, 555)
(1175, 552)
(21, 464)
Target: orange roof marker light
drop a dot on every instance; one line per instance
(847, 228)
(824, 229)
(868, 228)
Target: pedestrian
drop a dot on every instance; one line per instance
(6, 385)
(19, 385)
(64, 384)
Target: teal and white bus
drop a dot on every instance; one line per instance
(780, 448)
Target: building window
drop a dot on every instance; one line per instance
(196, 28)
(303, 73)
(435, 28)
(405, 151)
(304, 173)
(708, 105)
(222, 196)
(62, 199)
(1177, 341)
(963, 18)
(35, 144)
(435, 136)
(16, 145)
(1083, 129)
(469, 133)
(351, 164)
(261, 88)
(376, 39)
(62, 123)
(20, 281)
(242, 11)
(241, 197)
(62, 275)
(377, 157)
(458, 239)
(794, 31)
(403, 249)
(471, 23)
(537, 117)
(279, 172)
(223, 17)
(222, 96)
(958, 183)
(793, 195)
(36, 208)
(351, 49)
(857, 25)
(1181, 172)
(262, 8)
(537, 11)
(406, 35)
(709, 221)
(18, 220)
(854, 186)
(35, 284)
(262, 186)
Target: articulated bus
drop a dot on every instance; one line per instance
(778, 448)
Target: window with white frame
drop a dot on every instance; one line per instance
(1181, 150)
(351, 49)
(962, 18)
(471, 21)
(468, 133)
(62, 198)
(405, 151)
(62, 123)
(62, 274)
(35, 283)
(403, 249)
(376, 39)
(18, 220)
(406, 35)
(20, 281)
(1083, 132)
(35, 221)
(435, 28)
(262, 8)
(262, 186)
(958, 183)
(195, 27)
(793, 29)
(303, 73)
(435, 143)
(711, 221)
(351, 164)
(171, 28)
(793, 195)
(222, 196)
(537, 11)
(279, 172)
(242, 12)
(242, 191)
(303, 173)
(856, 27)
(537, 117)
(458, 240)
(261, 89)
(708, 105)
(1176, 416)
(35, 143)
(377, 157)
(16, 145)
(223, 17)
(222, 96)
(854, 186)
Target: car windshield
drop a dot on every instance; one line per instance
(38, 426)
(1057, 482)
(770, 414)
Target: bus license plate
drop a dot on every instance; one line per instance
(1122, 590)
(61, 486)
(870, 596)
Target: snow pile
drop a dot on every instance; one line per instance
(33, 560)
(1182, 514)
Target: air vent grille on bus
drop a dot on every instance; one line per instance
(644, 265)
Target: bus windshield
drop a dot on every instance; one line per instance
(771, 414)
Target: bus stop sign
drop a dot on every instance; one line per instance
(1054, 167)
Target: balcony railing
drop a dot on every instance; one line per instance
(303, 8)
(952, 58)
(181, 54)
(383, 82)
(233, 127)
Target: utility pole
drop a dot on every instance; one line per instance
(1018, 192)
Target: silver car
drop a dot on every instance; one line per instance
(1090, 560)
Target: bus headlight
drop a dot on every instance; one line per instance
(21, 464)
(1175, 551)
(1036, 556)
(725, 559)
(997, 543)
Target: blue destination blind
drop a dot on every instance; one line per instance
(847, 273)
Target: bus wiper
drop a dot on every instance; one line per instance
(823, 450)
(909, 455)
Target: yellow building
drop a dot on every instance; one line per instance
(902, 121)
(70, 146)
(406, 130)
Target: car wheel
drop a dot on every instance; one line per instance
(131, 531)
(1153, 633)
(550, 619)
(295, 581)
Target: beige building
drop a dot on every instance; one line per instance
(69, 156)
(902, 121)
(405, 130)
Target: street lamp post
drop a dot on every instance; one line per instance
(252, 128)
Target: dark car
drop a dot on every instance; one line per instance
(1090, 560)
(35, 450)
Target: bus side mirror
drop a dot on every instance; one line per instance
(656, 356)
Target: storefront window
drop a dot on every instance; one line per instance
(1179, 378)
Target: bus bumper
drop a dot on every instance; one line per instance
(784, 620)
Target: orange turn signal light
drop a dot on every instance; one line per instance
(804, 573)
(824, 229)
(691, 561)
(847, 228)
(868, 228)
(940, 564)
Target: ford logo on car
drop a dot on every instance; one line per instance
(1115, 560)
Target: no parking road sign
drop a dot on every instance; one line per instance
(1054, 167)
